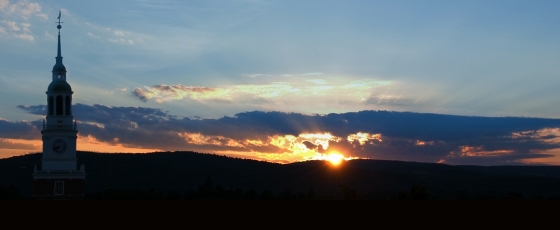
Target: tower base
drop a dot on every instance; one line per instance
(67, 185)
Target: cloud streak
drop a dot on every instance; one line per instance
(289, 137)
(162, 93)
(297, 93)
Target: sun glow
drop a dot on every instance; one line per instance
(335, 158)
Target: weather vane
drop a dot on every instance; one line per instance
(59, 14)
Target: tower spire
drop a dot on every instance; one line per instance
(59, 71)
(59, 27)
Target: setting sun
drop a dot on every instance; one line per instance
(335, 158)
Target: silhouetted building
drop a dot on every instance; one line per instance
(59, 177)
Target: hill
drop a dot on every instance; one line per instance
(180, 172)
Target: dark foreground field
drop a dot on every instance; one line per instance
(190, 175)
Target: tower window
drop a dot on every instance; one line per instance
(59, 105)
(59, 188)
(68, 105)
(50, 102)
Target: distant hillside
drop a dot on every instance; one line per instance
(180, 172)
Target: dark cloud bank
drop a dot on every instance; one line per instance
(406, 136)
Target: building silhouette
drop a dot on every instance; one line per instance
(59, 177)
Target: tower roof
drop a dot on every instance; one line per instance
(59, 86)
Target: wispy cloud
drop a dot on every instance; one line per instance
(256, 75)
(22, 8)
(304, 74)
(162, 93)
(15, 18)
(113, 35)
(3, 4)
(21, 31)
(304, 93)
(48, 35)
(11, 25)
(119, 33)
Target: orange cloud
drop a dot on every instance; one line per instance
(276, 148)
(472, 151)
(16, 147)
(200, 139)
(554, 158)
(547, 135)
(90, 143)
(423, 143)
(362, 138)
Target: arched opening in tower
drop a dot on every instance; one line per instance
(59, 105)
(50, 102)
(68, 105)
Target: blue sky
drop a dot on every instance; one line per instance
(210, 59)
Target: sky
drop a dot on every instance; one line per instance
(286, 81)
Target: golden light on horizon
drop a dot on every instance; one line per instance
(90, 143)
(335, 158)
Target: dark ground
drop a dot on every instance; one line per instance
(190, 175)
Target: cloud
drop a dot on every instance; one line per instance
(141, 94)
(11, 25)
(291, 94)
(162, 93)
(48, 35)
(366, 83)
(26, 8)
(27, 37)
(317, 81)
(22, 31)
(275, 89)
(93, 36)
(3, 4)
(19, 13)
(22, 8)
(304, 74)
(256, 75)
(17, 144)
(119, 33)
(392, 100)
(120, 90)
(114, 36)
(20, 129)
(289, 137)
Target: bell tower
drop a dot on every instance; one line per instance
(59, 177)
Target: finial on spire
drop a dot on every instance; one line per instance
(59, 26)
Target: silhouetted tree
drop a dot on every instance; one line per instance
(348, 193)
(418, 192)
(251, 194)
(267, 195)
(401, 196)
(9, 192)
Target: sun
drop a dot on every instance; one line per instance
(335, 158)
